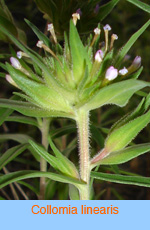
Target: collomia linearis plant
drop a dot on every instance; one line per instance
(69, 81)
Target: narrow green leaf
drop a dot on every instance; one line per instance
(22, 119)
(125, 155)
(117, 93)
(11, 154)
(70, 167)
(141, 5)
(51, 99)
(21, 175)
(121, 179)
(39, 34)
(122, 136)
(129, 44)
(31, 110)
(20, 138)
(78, 53)
(53, 161)
(106, 9)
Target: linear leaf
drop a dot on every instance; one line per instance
(141, 5)
(11, 154)
(53, 161)
(31, 110)
(21, 138)
(133, 180)
(125, 155)
(70, 167)
(21, 175)
(106, 9)
(22, 119)
(130, 42)
(39, 34)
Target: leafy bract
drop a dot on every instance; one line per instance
(117, 93)
(78, 52)
(31, 110)
(51, 100)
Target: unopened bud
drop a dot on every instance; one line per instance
(123, 71)
(99, 56)
(50, 28)
(19, 54)
(10, 80)
(15, 63)
(137, 62)
(79, 11)
(96, 9)
(111, 73)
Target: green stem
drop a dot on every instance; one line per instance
(43, 163)
(83, 135)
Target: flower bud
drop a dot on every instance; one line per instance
(111, 73)
(11, 81)
(96, 9)
(15, 63)
(99, 56)
(79, 11)
(137, 62)
(123, 71)
(19, 54)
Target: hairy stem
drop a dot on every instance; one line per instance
(43, 163)
(83, 135)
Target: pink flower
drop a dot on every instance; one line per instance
(111, 73)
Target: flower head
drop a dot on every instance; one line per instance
(15, 63)
(111, 73)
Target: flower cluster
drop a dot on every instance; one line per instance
(74, 72)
